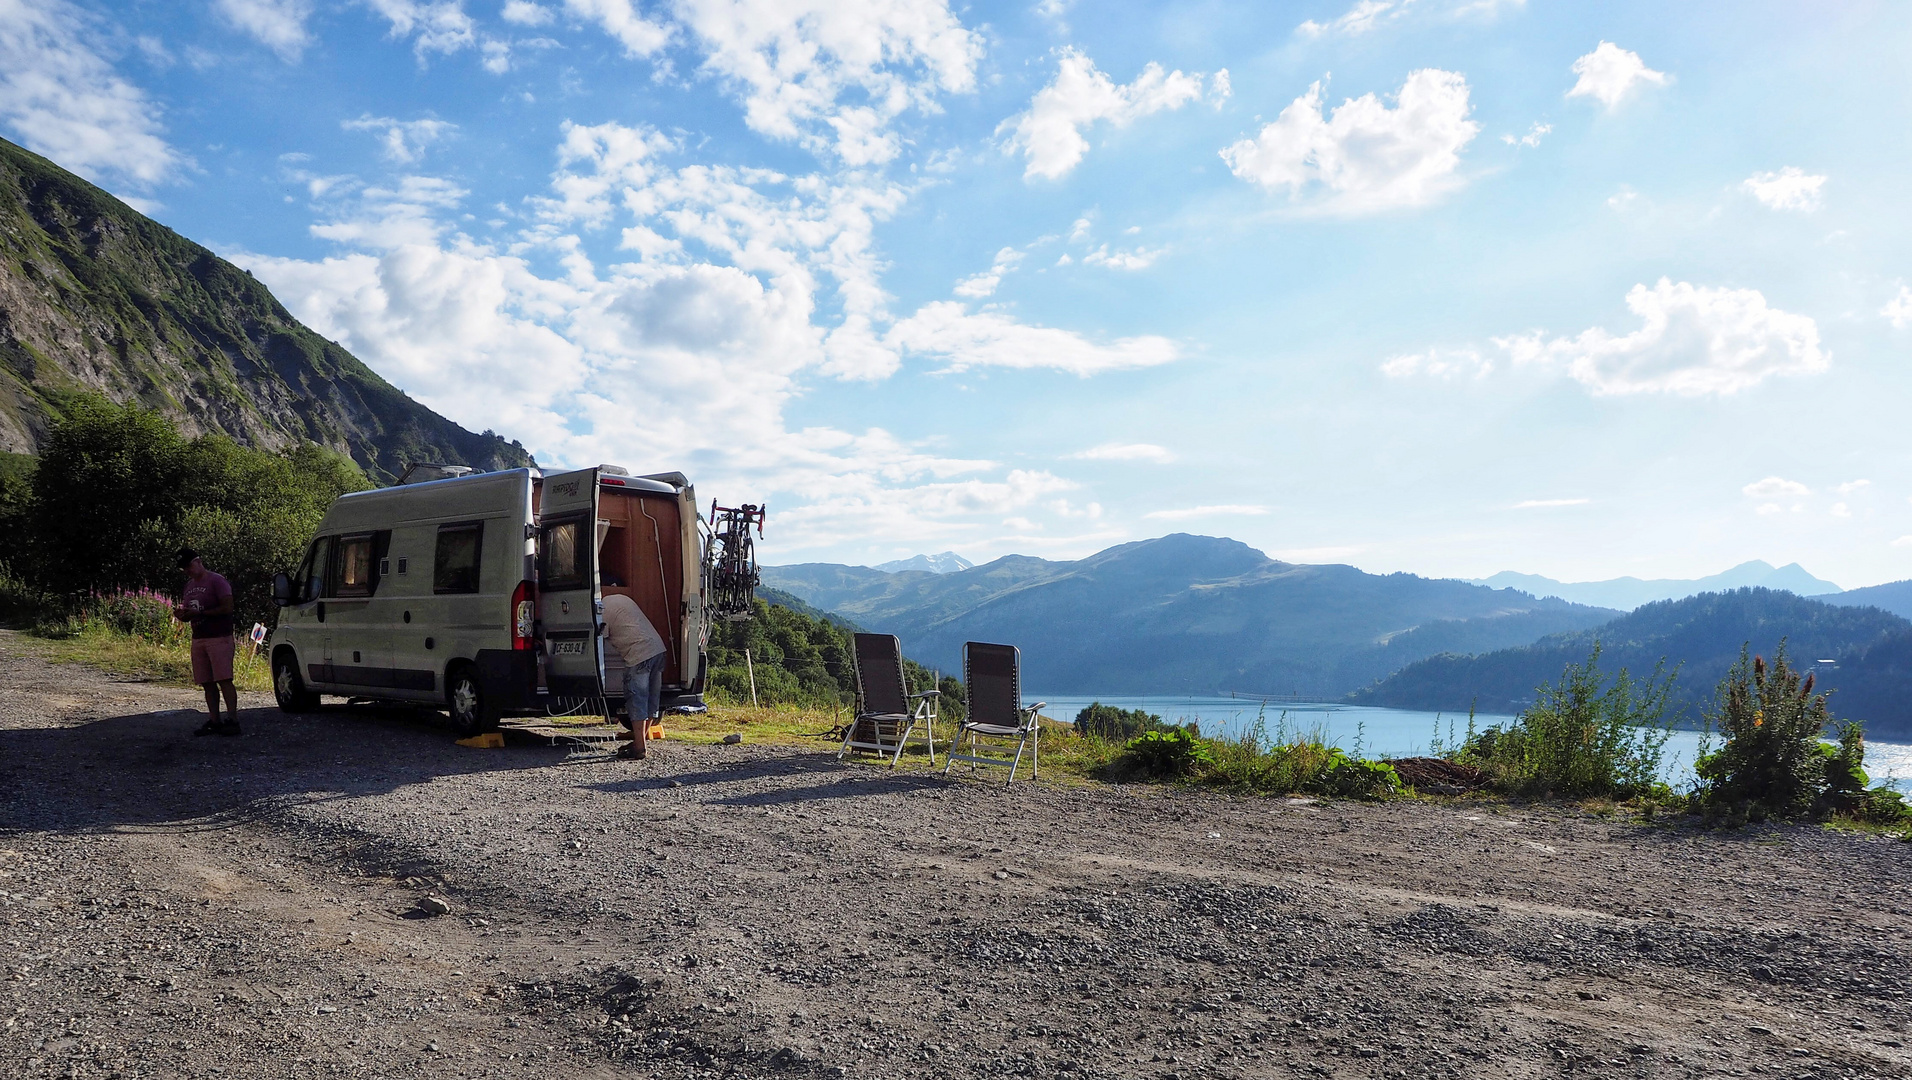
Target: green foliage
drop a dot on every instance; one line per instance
(117, 492)
(1354, 778)
(1166, 755)
(1583, 736)
(1110, 722)
(139, 613)
(804, 660)
(1772, 764)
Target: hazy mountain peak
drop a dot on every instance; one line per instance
(1627, 593)
(947, 563)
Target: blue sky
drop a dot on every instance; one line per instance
(1446, 286)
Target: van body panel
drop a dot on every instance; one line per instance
(569, 600)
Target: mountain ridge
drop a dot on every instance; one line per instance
(1627, 593)
(95, 297)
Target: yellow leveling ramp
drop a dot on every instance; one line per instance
(490, 740)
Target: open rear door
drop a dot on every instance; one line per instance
(568, 595)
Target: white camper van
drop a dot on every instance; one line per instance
(481, 592)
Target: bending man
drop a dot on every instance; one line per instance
(636, 640)
(207, 604)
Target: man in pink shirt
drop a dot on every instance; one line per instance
(207, 604)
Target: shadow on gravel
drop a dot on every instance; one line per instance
(850, 788)
(147, 769)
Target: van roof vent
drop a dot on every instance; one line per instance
(421, 472)
(614, 470)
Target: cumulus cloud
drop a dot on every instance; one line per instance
(1049, 133)
(1693, 340)
(402, 142)
(60, 96)
(1898, 310)
(978, 286)
(1851, 486)
(526, 13)
(1438, 363)
(1121, 259)
(1775, 487)
(963, 339)
(1367, 15)
(1222, 510)
(1115, 451)
(279, 25)
(1788, 189)
(434, 26)
(1534, 134)
(619, 18)
(1609, 73)
(1366, 156)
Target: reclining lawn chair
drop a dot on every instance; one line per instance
(992, 675)
(887, 714)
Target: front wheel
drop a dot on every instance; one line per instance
(289, 688)
(470, 713)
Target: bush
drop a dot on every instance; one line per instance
(1109, 722)
(140, 613)
(1581, 737)
(1772, 764)
(1354, 778)
(1165, 755)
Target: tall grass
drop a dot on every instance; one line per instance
(1281, 758)
(1584, 736)
(133, 632)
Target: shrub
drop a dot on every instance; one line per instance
(140, 613)
(1354, 778)
(1582, 736)
(1109, 722)
(1772, 764)
(1165, 755)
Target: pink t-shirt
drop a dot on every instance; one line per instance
(209, 591)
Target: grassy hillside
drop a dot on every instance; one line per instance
(1703, 634)
(95, 296)
(1183, 614)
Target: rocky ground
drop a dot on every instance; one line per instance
(172, 906)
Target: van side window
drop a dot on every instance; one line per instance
(564, 561)
(318, 559)
(357, 570)
(455, 567)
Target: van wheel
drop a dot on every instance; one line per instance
(470, 713)
(288, 687)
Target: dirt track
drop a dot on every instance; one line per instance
(172, 906)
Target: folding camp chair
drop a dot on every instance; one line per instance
(887, 714)
(992, 675)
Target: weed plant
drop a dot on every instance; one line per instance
(1584, 736)
(1280, 760)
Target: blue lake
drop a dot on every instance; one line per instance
(1399, 732)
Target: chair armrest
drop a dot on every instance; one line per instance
(1037, 707)
(928, 693)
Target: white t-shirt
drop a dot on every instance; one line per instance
(628, 632)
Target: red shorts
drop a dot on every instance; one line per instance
(212, 659)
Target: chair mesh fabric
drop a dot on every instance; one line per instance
(880, 689)
(995, 694)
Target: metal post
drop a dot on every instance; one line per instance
(752, 669)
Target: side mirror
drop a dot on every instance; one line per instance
(282, 589)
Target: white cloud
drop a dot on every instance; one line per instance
(1609, 73)
(1541, 504)
(1788, 189)
(1131, 259)
(1531, 139)
(526, 13)
(1768, 509)
(949, 331)
(1160, 455)
(620, 19)
(1693, 341)
(1367, 156)
(1367, 15)
(1438, 363)
(1049, 133)
(1224, 510)
(1622, 198)
(1899, 309)
(1851, 486)
(60, 96)
(402, 142)
(978, 286)
(793, 60)
(1775, 487)
(1841, 510)
(277, 24)
(1903, 541)
(435, 26)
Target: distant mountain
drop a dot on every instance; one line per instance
(1182, 614)
(947, 563)
(779, 598)
(96, 297)
(1893, 596)
(1870, 653)
(1627, 593)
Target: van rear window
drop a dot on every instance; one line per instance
(565, 561)
(455, 567)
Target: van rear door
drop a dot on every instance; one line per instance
(568, 598)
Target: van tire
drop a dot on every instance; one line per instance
(465, 699)
(288, 687)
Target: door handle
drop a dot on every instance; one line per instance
(321, 611)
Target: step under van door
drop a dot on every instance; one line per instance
(568, 598)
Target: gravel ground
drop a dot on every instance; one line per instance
(173, 906)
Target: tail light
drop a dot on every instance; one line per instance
(524, 614)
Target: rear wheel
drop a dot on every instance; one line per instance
(470, 713)
(288, 687)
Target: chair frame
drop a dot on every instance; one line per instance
(1027, 731)
(893, 732)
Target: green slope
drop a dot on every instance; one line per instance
(97, 297)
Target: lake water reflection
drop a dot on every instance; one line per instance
(1377, 732)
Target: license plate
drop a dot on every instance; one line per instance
(567, 648)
